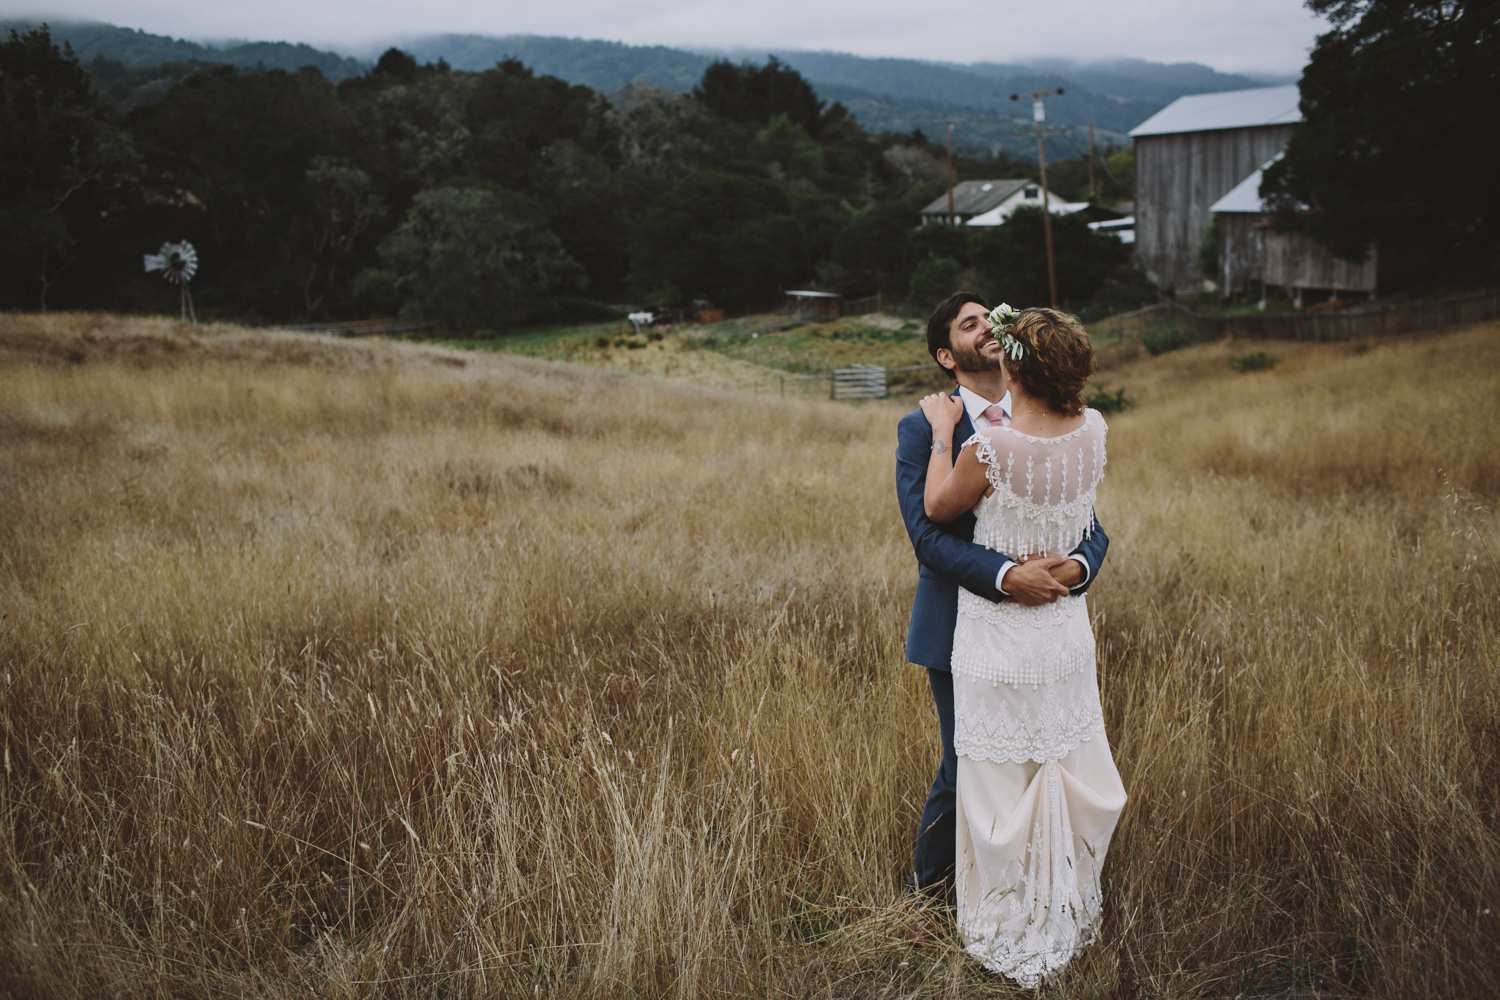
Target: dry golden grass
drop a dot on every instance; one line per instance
(376, 670)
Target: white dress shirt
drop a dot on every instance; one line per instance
(975, 405)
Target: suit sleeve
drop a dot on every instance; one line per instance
(1092, 549)
(971, 566)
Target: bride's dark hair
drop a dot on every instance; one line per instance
(1058, 359)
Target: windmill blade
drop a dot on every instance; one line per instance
(189, 257)
(177, 262)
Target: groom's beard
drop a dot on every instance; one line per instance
(971, 360)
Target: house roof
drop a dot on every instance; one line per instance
(975, 197)
(1245, 196)
(1227, 109)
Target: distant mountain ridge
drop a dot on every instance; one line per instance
(1115, 95)
(140, 49)
(884, 93)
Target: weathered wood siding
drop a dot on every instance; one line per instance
(1241, 251)
(1177, 178)
(1296, 261)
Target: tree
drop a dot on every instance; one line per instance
(557, 144)
(933, 281)
(472, 256)
(63, 161)
(345, 204)
(873, 253)
(1398, 143)
(1012, 258)
(727, 238)
(756, 94)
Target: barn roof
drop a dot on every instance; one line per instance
(1245, 196)
(975, 197)
(1227, 109)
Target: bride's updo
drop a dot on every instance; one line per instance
(1058, 360)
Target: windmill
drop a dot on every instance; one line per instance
(177, 262)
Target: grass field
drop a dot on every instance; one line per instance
(346, 670)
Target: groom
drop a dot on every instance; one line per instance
(959, 340)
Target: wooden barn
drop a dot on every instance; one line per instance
(1189, 155)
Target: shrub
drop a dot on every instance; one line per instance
(1260, 361)
(1106, 402)
(933, 281)
(1172, 335)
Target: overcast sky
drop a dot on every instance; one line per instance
(1271, 36)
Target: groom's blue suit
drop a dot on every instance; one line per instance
(947, 559)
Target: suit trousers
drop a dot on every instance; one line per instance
(934, 855)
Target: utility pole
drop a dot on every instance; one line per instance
(1039, 115)
(1092, 194)
(948, 124)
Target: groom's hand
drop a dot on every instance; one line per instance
(1031, 583)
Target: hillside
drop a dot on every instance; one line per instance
(982, 133)
(139, 50)
(895, 94)
(961, 87)
(886, 94)
(366, 669)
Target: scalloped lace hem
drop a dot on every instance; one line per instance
(992, 732)
(1029, 922)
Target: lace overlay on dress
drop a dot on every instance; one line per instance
(1044, 487)
(990, 723)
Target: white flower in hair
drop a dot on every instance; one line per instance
(1001, 319)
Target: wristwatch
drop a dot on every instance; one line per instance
(939, 446)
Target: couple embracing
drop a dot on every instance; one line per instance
(996, 484)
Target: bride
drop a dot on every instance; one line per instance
(1038, 793)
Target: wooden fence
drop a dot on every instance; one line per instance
(364, 327)
(855, 381)
(1356, 324)
(859, 382)
(1350, 324)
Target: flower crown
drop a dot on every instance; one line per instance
(1002, 318)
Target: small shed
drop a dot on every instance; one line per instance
(1189, 155)
(1295, 261)
(820, 305)
(1250, 250)
(1240, 215)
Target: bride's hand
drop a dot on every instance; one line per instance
(1064, 569)
(942, 410)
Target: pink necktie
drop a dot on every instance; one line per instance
(995, 416)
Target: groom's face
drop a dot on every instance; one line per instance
(974, 348)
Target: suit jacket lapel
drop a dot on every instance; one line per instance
(963, 430)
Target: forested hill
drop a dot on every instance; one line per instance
(885, 93)
(138, 49)
(605, 66)
(1116, 95)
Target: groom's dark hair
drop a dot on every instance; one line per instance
(940, 324)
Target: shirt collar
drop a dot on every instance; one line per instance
(975, 404)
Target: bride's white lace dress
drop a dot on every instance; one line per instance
(1038, 793)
